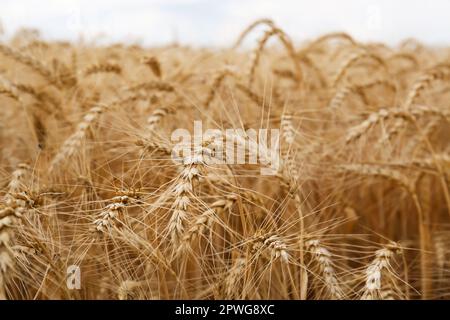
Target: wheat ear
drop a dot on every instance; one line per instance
(150, 145)
(438, 72)
(183, 190)
(378, 270)
(359, 130)
(256, 54)
(322, 257)
(29, 61)
(153, 85)
(288, 131)
(352, 60)
(271, 243)
(339, 97)
(156, 116)
(233, 278)
(13, 209)
(112, 213)
(10, 93)
(154, 65)
(74, 142)
(204, 221)
(104, 67)
(216, 82)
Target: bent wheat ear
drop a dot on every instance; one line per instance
(352, 60)
(273, 244)
(439, 72)
(377, 272)
(256, 54)
(357, 131)
(112, 213)
(252, 26)
(217, 81)
(328, 37)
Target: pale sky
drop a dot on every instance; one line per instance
(218, 22)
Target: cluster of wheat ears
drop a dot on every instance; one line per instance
(359, 208)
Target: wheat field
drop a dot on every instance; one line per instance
(358, 209)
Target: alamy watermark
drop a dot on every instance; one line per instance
(229, 146)
(374, 18)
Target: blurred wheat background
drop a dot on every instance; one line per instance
(359, 208)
